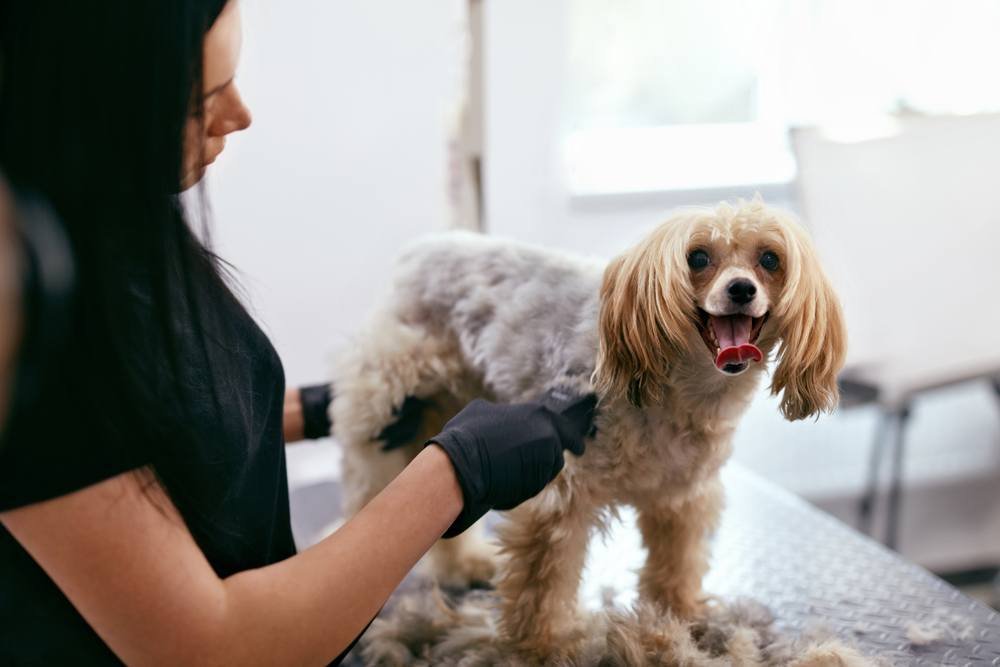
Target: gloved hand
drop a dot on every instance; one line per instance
(409, 418)
(315, 401)
(506, 454)
(315, 405)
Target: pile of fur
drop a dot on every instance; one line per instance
(429, 628)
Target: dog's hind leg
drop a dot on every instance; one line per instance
(676, 538)
(391, 362)
(394, 362)
(468, 559)
(544, 547)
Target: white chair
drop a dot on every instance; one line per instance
(906, 217)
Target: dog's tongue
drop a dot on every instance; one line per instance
(733, 334)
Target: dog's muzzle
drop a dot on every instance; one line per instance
(731, 339)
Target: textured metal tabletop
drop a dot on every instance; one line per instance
(810, 568)
(815, 573)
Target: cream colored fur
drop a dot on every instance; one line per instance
(471, 316)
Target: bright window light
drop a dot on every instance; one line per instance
(688, 94)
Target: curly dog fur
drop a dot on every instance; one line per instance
(470, 316)
(429, 627)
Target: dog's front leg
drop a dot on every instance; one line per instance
(544, 544)
(676, 538)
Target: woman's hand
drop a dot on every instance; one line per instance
(506, 454)
(123, 555)
(306, 413)
(307, 417)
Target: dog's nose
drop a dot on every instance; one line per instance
(742, 291)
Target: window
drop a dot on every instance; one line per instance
(694, 94)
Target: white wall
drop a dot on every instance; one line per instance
(345, 162)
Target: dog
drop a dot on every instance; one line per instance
(673, 335)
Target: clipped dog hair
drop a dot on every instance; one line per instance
(427, 627)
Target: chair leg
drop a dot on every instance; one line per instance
(896, 486)
(866, 506)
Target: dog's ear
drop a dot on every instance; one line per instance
(813, 337)
(645, 309)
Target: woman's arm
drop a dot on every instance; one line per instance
(122, 554)
(307, 417)
(10, 303)
(306, 413)
(293, 423)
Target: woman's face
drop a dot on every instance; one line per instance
(224, 110)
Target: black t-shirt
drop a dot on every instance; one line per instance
(68, 452)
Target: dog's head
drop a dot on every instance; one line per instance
(728, 284)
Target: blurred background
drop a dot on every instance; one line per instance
(579, 124)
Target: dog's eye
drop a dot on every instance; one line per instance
(769, 261)
(698, 260)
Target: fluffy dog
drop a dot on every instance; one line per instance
(673, 335)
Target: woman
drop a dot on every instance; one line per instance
(143, 498)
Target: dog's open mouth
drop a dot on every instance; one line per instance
(731, 339)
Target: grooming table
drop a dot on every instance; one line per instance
(811, 571)
(808, 567)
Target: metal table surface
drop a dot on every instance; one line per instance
(810, 569)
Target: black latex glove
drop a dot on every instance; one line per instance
(315, 401)
(506, 454)
(403, 430)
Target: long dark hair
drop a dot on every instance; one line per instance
(93, 105)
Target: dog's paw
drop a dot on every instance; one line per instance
(686, 606)
(694, 609)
